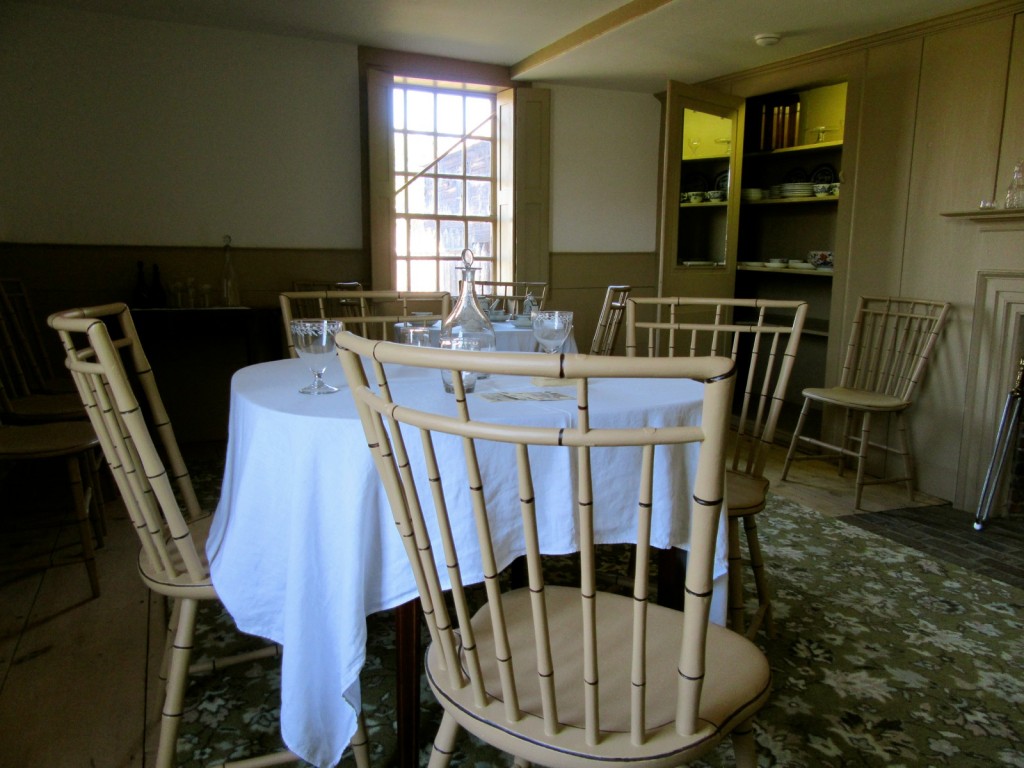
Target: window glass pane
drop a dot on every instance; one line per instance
(478, 158)
(422, 237)
(452, 162)
(401, 198)
(421, 151)
(449, 197)
(480, 236)
(399, 151)
(402, 275)
(453, 238)
(423, 274)
(420, 115)
(449, 114)
(478, 110)
(478, 198)
(398, 108)
(421, 195)
(401, 239)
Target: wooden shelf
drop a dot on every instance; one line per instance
(793, 200)
(818, 146)
(709, 204)
(784, 270)
(992, 214)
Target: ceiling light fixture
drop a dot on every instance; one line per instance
(766, 39)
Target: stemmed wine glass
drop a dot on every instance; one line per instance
(314, 341)
(551, 328)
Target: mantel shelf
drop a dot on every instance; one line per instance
(1016, 214)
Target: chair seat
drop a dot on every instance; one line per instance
(745, 493)
(39, 441)
(41, 408)
(735, 669)
(856, 398)
(182, 586)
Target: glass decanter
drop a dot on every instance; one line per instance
(467, 327)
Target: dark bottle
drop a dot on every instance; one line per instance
(157, 293)
(140, 295)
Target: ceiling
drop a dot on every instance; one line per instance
(621, 44)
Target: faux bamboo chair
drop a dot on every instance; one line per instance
(22, 396)
(23, 337)
(762, 337)
(334, 307)
(148, 470)
(370, 313)
(890, 344)
(609, 320)
(511, 295)
(76, 443)
(555, 675)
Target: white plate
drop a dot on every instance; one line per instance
(698, 263)
(802, 266)
(770, 265)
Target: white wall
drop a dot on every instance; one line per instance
(129, 132)
(120, 131)
(604, 170)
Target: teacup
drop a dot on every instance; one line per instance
(695, 197)
(822, 190)
(714, 196)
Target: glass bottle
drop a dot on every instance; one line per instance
(231, 295)
(467, 327)
(140, 294)
(1015, 192)
(157, 293)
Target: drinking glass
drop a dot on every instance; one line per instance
(551, 328)
(314, 341)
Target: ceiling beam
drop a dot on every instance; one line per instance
(610, 22)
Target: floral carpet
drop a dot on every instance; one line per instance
(884, 657)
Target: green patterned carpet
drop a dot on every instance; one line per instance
(884, 657)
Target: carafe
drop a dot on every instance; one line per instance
(467, 327)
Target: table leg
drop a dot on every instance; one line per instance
(407, 700)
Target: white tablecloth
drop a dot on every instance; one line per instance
(303, 545)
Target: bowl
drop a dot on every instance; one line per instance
(820, 258)
(822, 190)
(714, 196)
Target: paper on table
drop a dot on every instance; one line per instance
(498, 397)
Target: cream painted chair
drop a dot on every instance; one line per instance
(369, 313)
(762, 337)
(559, 675)
(608, 321)
(890, 344)
(511, 295)
(148, 469)
(75, 443)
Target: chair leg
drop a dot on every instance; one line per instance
(444, 742)
(764, 598)
(736, 618)
(908, 461)
(862, 456)
(360, 744)
(848, 441)
(177, 680)
(83, 499)
(796, 437)
(744, 745)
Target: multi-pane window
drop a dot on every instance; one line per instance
(445, 163)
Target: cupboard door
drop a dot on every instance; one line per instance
(700, 171)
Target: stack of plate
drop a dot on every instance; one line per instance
(798, 189)
(751, 194)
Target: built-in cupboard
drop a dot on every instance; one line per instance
(750, 194)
